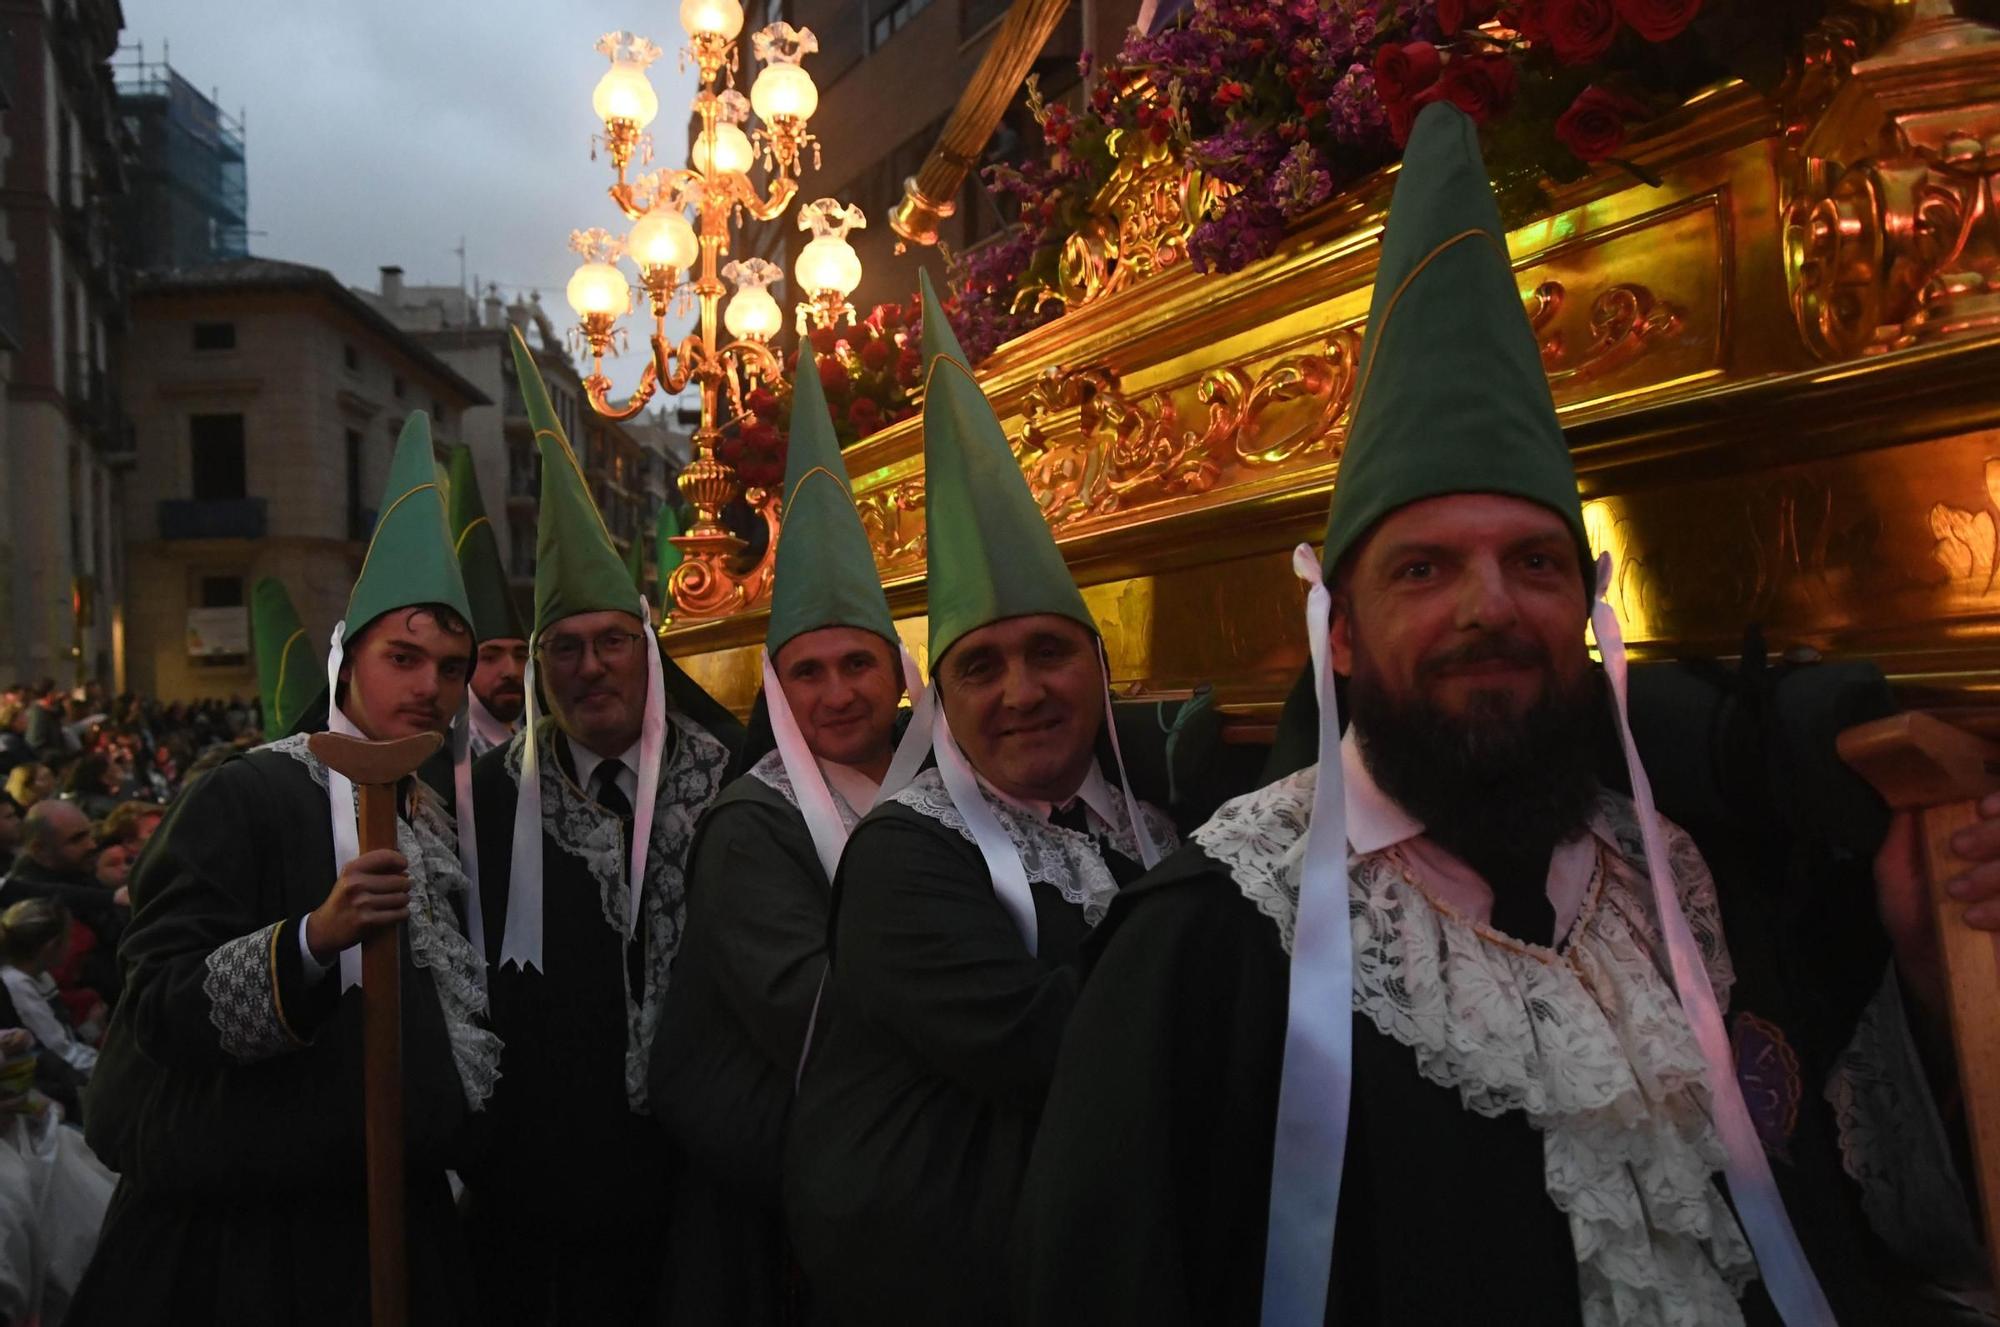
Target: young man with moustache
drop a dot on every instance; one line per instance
(960, 907)
(584, 819)
(229, 1093)
(497, 694)
(1432, 1031)
(759, 878)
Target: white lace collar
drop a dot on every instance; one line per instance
(690, 776)
(1589, 1043)
(427, 838)
(1071, 862)
(771, 772)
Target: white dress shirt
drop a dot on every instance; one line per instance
(587, 762)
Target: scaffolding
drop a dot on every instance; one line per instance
(189, 203)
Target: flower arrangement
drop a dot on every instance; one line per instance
(1287, 102)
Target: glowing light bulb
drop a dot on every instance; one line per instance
(598, 288)
(625, 93)
(712, 18)
(784, 90)
(733, 153)
(663, 238)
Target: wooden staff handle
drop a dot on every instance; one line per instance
(375, 768)
(1920, 763)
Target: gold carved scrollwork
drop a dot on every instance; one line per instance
(1892, 235)
(1623, 323)
(893, 519)
(1968, 542)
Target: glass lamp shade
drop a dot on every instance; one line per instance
(712, 18)
(598, 288)
(625, 93)
(752, 315)
(733, 153)
(828, 263)
(784, 90)
(663, 238)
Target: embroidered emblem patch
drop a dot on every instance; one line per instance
(1767, 1069)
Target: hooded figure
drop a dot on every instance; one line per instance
(493, 709)
(228, 1095)
(1439, 980)
(960, 906)
(759, 879)
(287, 683)
(584, 821)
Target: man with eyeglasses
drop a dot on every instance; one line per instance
(498, 694)
(228, 1095)
(584, 819)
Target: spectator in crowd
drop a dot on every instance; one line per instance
(14, 748)
(10, 832)
(131, 823)
(30, 783)
(34, 937)
(92, 785)
(55, 864)
(45, 718)
(114, 865)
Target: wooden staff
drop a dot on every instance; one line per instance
(1920, 763)
(375, 768)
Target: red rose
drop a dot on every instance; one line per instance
(1526, 19)
(875, 352)
(824, 339)
(909, 366)
(1402, 114)
(1230, 93)
(1401, 72)
(865, 415)
(1456, 15)
(1580, 30)
(1659, 20)
(832, 374)
(759, 401)
(1479, 85)
(888, 317)
(1594, 125)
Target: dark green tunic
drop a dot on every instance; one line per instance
(936, 1041)
(731, 1030)
(568, 1218)
(229, 1094)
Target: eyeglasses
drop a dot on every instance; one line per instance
(610, 647)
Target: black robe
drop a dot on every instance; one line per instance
(936, 1041)
(731, 1031)
(568, 1216)
(229, 1092)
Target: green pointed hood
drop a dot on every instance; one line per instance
(494, 615)
(578, 568)
(666, 553)
(826, 573)
(410, 559)
(991, 555)
(1453, 397)
(289, 677)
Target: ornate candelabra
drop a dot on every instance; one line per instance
(677, 262)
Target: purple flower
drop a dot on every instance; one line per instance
(1300, 183)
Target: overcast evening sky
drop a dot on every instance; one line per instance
(381, 131)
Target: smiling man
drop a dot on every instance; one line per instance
(228, 1096)
(960, 907)
(584, 821)
(749, 969)
(498, 692)
(1432, 1031)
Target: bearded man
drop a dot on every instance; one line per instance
(229, 1093)
(1432, 1031)
(498, 691)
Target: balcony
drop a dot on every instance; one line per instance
(212, 518)
(95, 407)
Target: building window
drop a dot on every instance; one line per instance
(356, 518)
(215, 336)
(352, 358)
(888, 17)
(215, 453)
(397, 386)
(222, 592)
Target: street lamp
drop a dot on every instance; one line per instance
(676, 257)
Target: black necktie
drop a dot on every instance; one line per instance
(607, 794)
(1075, 816)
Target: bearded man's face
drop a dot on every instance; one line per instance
(1459, 622)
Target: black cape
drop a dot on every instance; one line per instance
(727, 1051)
(242, 1190)
(936, 1041)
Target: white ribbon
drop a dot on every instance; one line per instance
(815, 799)
(1149, 852)
(1003, 861)
(916, 743)
(341, 809)
(652, 741)
(1789, 1278)
(468, 841)
(491, 731)
(1310, 1151)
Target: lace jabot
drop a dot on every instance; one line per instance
(428, 839)
(771, 772)
(690, 776)
(1588, 1041)
(1069, 861)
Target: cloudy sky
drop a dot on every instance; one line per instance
(383, 131)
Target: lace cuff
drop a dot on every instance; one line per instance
(243, 1000)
